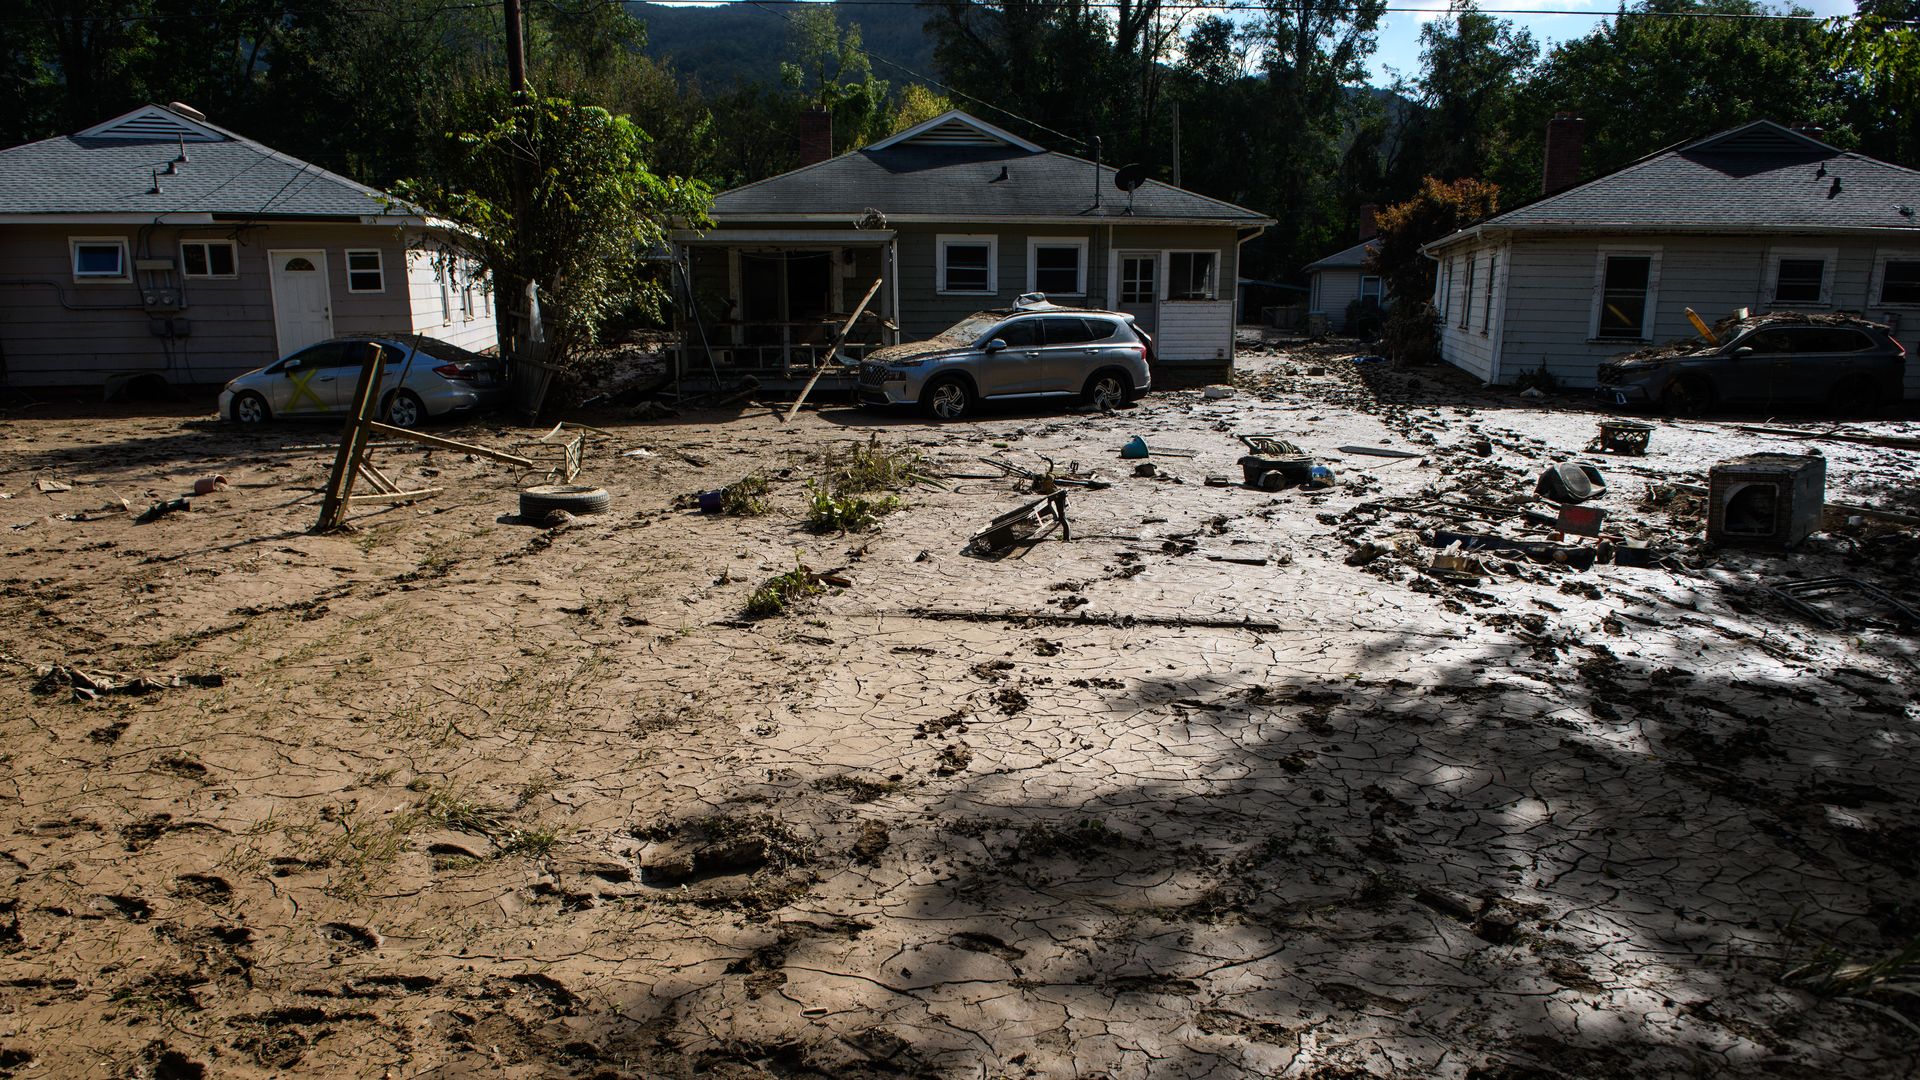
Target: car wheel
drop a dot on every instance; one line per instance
(1107, 389)
(948, 399)
(1856, 397)
(250, 408)
(539, 501)
(1686, 397)
(404, 409)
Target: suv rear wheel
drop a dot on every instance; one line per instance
(1690, 396)
(1108, 389)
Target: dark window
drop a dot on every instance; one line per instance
(1623, 302)
(1901, 283)
(1767, 342)
(106, 260)
(207, 258)
(966, 268)
(1799, 281)
(363, 272)
(1190, 275)
(1830, 339)
(1061, 331)
(1020, 335)
(1486, 311)
(1056, 269)
(324, 355)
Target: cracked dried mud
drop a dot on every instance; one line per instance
(1194, 794)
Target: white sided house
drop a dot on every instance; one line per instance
(1760, 216)
(955, 216)
(159, 245)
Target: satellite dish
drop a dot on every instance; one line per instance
(1130, 177)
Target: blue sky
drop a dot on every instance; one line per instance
(1400, 31)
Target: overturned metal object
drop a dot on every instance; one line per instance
(1796, 594)
(1025, 523)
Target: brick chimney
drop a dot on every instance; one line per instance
(813, 137)
(1369, 228)
(1566, 136)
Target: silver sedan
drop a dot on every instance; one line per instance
(422, 377)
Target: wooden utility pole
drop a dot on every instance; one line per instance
(833, 353)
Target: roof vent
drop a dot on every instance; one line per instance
(151, 123)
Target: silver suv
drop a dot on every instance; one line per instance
(1033, 350)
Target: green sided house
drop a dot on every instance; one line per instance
(1760, 216)
(157, 245)
(953, 216)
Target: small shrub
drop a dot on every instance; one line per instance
(745, 497)
(827, 512)
(1538, 379)
(872, 467)
(780, 590)
(1364, 316)
(534, 842)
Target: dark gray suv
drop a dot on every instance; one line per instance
(1849, 365)
(1034, 350)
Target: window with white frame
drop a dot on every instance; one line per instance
(967, 264)
(364, 271)
(1801, 277)
(1057, 266)
(1625, 289)
(1443, 294)
(1192, 275)
(1897, 280)
(208, 259)
(99, 258)
(1369, 288)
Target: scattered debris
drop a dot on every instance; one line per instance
(1626, 437)
(1765, 500)
(1798, 594)
(1137, 447)
(207, 485)
(91, 685)
(51, 486)
(1025, 523)
(1544, 551)
(1380, 451)
(1216, 393)
(1571, 484)
(162, 509)
(1889, 442)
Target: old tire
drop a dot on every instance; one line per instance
(1108, 389)
(539, 501)
(1687, 397)
(948, 399)
(405, 409)
(251, 408)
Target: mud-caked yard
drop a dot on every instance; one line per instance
(1231, 783)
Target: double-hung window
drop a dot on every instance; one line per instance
(1626, 286)
(99, 259)
(1466, 301)
(1801, 277)
(1899, 281)
(1486, 301)
(1192, 275)
(208, 259)
(1057, 266)
(966, 265)
(364, 271)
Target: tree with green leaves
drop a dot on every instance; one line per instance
(1644, 82)
(1472, 66)
(1439, 209)
(548, 191)
(830, 71)
(1876, 55)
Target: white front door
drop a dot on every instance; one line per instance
(302, 300)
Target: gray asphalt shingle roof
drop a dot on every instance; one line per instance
(232, 176)
(967, 183)
(1760, 175)
(1353, 258)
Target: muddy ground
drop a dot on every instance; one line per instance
(1227, 785)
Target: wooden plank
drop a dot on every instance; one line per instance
(845, 329)
(1890, 442)
(448, 444)
(353, 444)
(395, 496)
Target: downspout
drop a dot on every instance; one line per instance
(1233, 337)
(1498, 332)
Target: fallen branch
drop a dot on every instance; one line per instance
(1891, 442)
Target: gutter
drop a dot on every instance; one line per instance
(1491, 231)
(984, 221)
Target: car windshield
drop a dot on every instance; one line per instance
(967, 331)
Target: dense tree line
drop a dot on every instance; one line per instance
(1270, 105)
